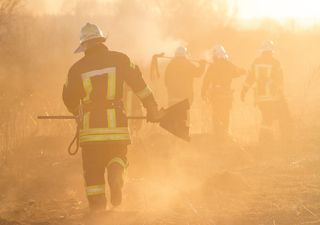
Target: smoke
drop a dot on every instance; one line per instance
(143, 28)
(135, 29)
(41, 48)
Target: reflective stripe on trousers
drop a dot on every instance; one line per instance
(95, 190)
(119, 161)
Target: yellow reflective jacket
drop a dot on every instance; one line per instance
(95, 84)
(266, 76)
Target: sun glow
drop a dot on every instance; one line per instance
(304, 12)
(307, 10)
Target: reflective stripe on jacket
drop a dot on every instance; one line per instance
(96, 83)
(267, 78)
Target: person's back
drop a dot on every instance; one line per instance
(219, 77)
(102, 74)
(179, 77)
(267, 78)
(93, 92)
(266, 73)
(216, 90)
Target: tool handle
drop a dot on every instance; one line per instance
(57, 117)
(74, 117)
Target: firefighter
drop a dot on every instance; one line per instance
(216, 89)
(179, 76)
(94, 87)
(266, 75)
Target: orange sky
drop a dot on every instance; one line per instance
(306, 11)
(280, 9)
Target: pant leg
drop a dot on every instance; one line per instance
(221, 113)
(94, 169)
(116, 168)
(285, 120)
(266, 127)
(225, 115)
(215, 116)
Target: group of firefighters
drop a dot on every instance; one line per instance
(265, 75)
(95, 87)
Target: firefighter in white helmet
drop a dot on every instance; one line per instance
(179, 76)
(181, 51)
(267, 78)
(95, 88)
(216, 90)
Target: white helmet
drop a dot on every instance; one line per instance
(219, 52)
(181, 51)
(89, 32)
(267, 46)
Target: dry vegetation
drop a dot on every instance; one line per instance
(169, 182)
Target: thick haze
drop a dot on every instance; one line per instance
(168, 179)
(141, 28)
(306, 12)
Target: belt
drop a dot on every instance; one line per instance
(87, 107)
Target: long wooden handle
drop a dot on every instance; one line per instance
(74, 117)
(56, 117)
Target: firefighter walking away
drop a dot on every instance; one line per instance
(216, 90)
(267, 78)
(94, 87)
(179, 76)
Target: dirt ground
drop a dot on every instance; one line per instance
(169, 182)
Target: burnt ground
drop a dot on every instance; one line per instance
(169, 182)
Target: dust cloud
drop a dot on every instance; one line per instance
(169, 181)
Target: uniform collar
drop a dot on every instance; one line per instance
(97, 48)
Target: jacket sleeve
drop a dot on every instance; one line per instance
(197, 71)
(133, 78)
(236, 71)
(72, 92)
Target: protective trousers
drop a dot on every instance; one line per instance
(221, 108)
(96, 158)
(272, 111)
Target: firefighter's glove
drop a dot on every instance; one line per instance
(154, 115)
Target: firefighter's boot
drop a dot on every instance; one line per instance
(116, 170)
